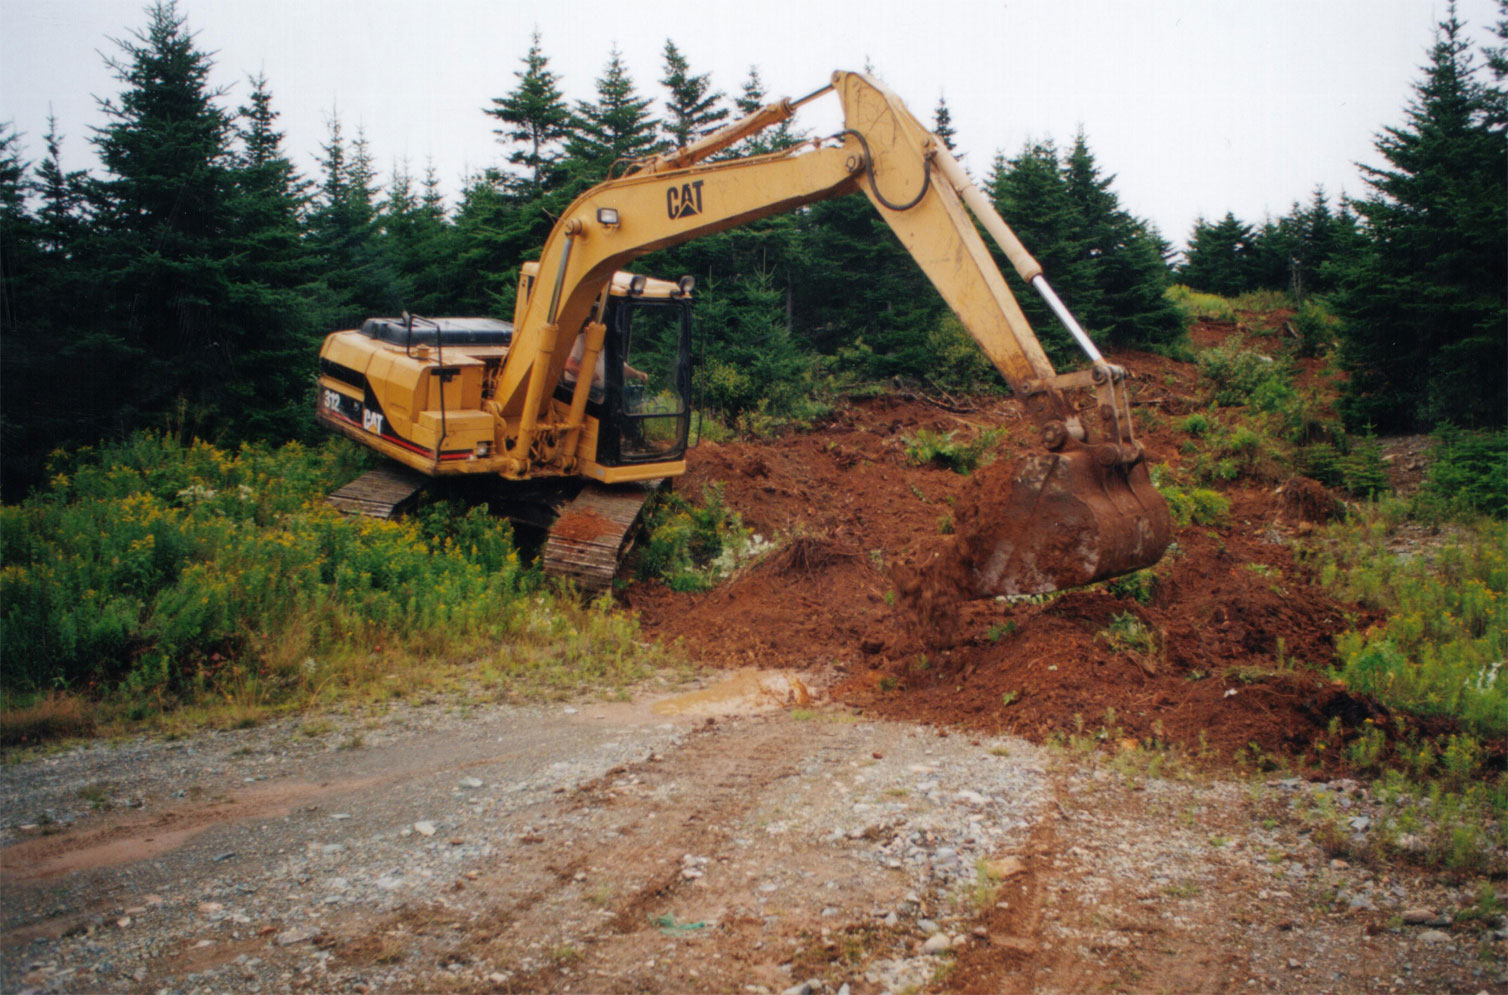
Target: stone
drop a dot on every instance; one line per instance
(967, 797)
(937, 943)
(1434, 936)
(289, 937)
(471, 782)
(1004, 867)
(927, 926)
(424, 828)
(1418, 916)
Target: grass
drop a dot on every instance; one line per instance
(1439, 649)
(161, 583)
(947, 450)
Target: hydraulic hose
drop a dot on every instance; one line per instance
(869, 172)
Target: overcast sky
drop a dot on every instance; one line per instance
(1197, 106)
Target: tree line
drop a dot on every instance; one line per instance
(1417, 269)
(188, 281)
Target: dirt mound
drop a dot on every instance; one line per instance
(1214, 649)
(1306, 500)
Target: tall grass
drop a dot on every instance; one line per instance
(160, 573)
(1440, 650)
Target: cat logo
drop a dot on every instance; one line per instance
(684, 201)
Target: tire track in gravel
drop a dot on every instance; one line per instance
(631, 872)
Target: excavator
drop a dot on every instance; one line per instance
(587, 392)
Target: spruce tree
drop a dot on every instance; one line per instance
(1219, 257)
(1125, 258)
(751, 98)
(535, 121)
(279, 302)
(695, 108)
(345, 233)
(617, 125)
(942, 123)
(1030, 191)
(60, 215)
(160, 211)
(1425, 304)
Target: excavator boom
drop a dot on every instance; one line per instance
(1083, 509)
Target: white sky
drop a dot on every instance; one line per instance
(1197, 106)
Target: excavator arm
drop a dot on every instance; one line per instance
(1083, 510)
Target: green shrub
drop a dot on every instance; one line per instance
(160, 568)
(1197, 305)
(1262, 299)
(1440, 651)
(1195, 505)
(1352, 464)
(1317, 329)
(1241, 450)
(945, 449)
(959, 363)
(1235, 373)
(1197, 424)
(692, 547)
(1469, 473)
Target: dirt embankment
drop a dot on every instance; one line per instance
(1216, 650)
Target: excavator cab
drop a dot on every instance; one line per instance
(641, 389)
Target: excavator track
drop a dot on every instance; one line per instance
(594, 531)
(387, 492)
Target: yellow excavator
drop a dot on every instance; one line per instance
(589, 387)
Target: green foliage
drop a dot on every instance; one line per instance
(1235, 374)
(167, 569)
(1196, 305)
(534, 120)
(958, 364)
(691, 547)
(1140, 586)
(1441, 648)
(1195, 505)
(1353, 464)
(1317, 328)
(1236, 449)
(1127, 633)
(1424, 301)
(1468, 473)
(946, 450)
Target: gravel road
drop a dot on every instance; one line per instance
(714, 841)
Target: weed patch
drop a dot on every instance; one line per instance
(944, 449)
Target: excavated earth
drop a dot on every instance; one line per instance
(1237, 634)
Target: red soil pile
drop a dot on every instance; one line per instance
(1218, 656)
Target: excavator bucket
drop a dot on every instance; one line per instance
(1069, 519)
(1061, 520)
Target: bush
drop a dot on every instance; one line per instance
(1317, 329)
(160, 568)
(692, 547)
(1236, 374)
(1197, 305)
(1469, 473)
(1195, 505)
(1352, 464)
(1440, 651)
(945, 450)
